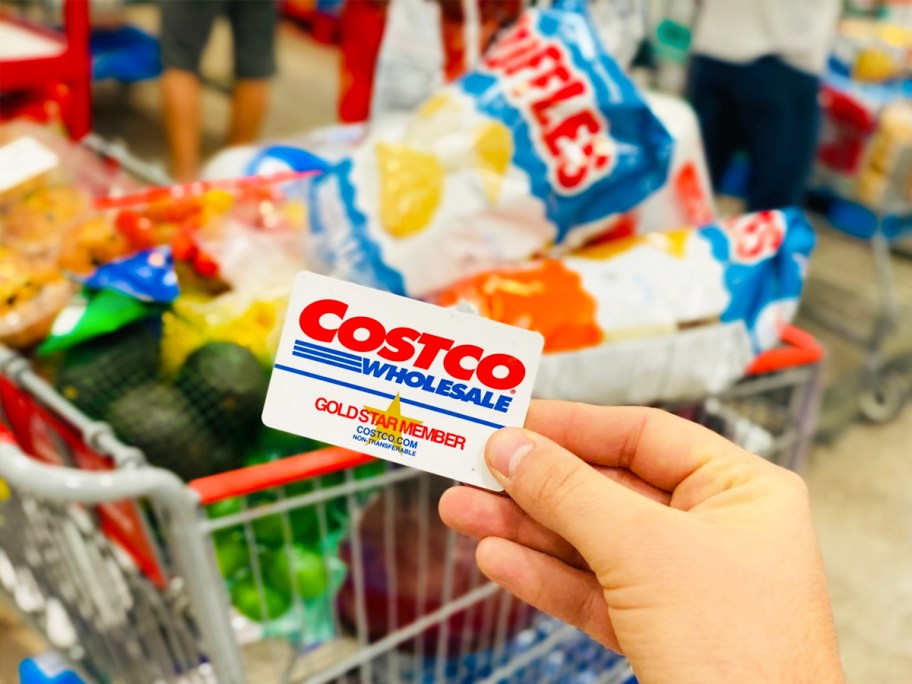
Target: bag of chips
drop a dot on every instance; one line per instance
(541, 145)
(747, 270)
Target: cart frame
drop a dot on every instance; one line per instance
(54, 549)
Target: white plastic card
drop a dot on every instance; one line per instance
(399, 379)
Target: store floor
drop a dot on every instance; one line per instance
(859, 483)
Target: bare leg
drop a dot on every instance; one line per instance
(181, 94)
(248, 109)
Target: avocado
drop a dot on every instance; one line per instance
(227, 385)
(95, 373)
(159, 420)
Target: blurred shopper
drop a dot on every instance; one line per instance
(185, 29)
(754, 83)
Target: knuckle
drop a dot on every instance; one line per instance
(559, 486)
(521, 526)
(794, 484)
(649, 419)
(589, 607)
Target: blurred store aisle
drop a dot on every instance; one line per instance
(860, 498)
(304, 95)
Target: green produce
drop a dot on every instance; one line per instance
(369, 470)
(228, 386)
(223, 508)
(305, 524)
(272, 444)
(305, 568)
(94, 374)
(269, 530)
(231, 554)
(246, 598)
(159, 420)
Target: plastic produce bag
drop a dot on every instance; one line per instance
(542, 145)
(31, 295)
(410, 63)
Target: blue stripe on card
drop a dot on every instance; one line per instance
(329, 362)
(300, 345)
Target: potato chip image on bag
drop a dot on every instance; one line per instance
(493, 149)
(411, 183)
(544, 144)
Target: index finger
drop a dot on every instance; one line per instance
(659, 447)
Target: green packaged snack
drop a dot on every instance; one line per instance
(93, 314)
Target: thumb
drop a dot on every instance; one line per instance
(566, 494)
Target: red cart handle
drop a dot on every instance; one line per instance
(276, 473)
(6, 435)
(799, 349)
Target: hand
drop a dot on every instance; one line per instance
(660, 539)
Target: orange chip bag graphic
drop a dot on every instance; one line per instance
(546, 297)
(410, 188)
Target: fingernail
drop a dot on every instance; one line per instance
(506, 449)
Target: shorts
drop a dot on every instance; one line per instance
(186, 25)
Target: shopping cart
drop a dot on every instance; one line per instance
(117, 563)
(863, 185)
(40, 65)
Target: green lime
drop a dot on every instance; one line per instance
(225, 507)
(370, 470)
(221, 509)
(269, 530)
(256, 459)
(246, 599)
(277, 444)
(231, 554)
(299, 488)
(308, 568)
(332, 479)
(305, 525)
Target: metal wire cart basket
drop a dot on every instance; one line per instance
(340, 567)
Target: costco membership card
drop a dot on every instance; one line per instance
(399, 379)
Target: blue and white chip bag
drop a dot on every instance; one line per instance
(765, 257)
(654, 317)
(539, 148)
(147, 276)
(746, 271)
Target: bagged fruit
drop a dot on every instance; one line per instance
(541, 145)
(32, 292)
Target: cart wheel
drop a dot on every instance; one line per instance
(883, 402)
